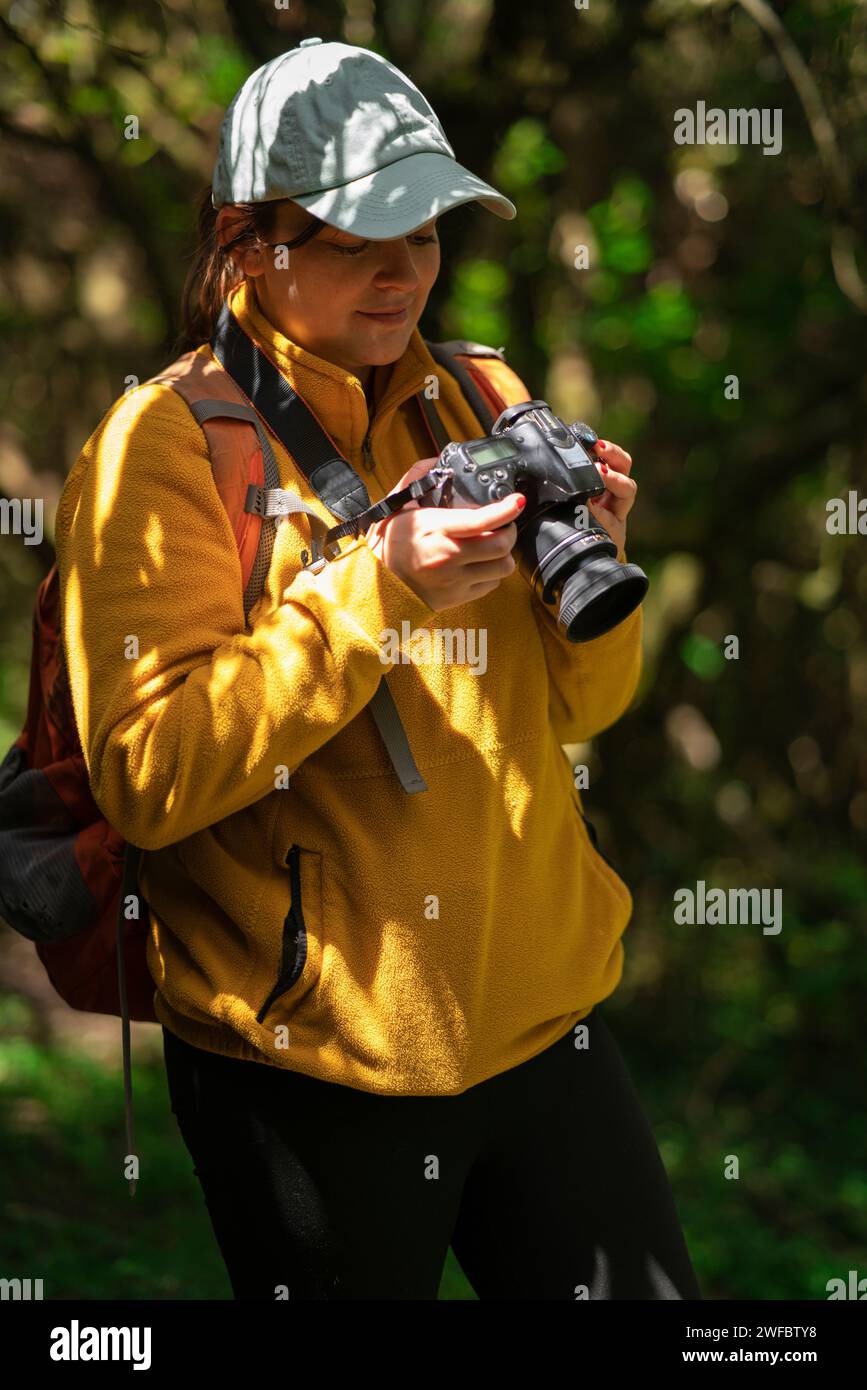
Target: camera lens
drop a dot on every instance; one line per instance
(598, 595)
(578, 569)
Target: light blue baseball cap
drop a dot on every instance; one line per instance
(347, 135)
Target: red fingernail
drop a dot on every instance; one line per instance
(600, 445)
(603, 467)
(522, 501)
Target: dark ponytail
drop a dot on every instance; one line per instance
(213, 272)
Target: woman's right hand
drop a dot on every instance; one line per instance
(448, 555)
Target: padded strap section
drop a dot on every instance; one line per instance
(211, 409)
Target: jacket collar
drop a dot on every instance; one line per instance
(335, 395)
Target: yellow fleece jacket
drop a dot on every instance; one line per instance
(305, 911)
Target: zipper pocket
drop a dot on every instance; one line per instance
(294, 947)
(591, 831)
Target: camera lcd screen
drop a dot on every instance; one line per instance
(493, 451)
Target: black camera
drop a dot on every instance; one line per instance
(532, 451)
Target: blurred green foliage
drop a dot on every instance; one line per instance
(714, 325)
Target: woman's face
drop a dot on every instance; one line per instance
(325, 295)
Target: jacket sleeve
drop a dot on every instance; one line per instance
(591, 683)
(184, 713)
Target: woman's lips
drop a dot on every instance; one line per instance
(398, 316)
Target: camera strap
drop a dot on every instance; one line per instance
(329, 474)
(331, 477)
(434, 481)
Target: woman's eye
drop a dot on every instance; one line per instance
(356, 250)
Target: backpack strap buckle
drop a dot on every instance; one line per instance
(269, 502)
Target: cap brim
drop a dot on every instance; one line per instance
(394, 201)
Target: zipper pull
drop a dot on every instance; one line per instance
(367, 454)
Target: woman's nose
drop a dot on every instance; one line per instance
(396, 264)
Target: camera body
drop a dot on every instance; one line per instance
(531, 451)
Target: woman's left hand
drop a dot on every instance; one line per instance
(612, 508)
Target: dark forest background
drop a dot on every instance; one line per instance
(704, 262)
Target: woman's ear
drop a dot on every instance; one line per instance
(230, 220)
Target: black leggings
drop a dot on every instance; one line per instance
(545, 1180)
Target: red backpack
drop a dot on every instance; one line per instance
(62, 864)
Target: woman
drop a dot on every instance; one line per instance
(379, 1009)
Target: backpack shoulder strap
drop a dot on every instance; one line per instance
(241, 459)
(485, 379)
